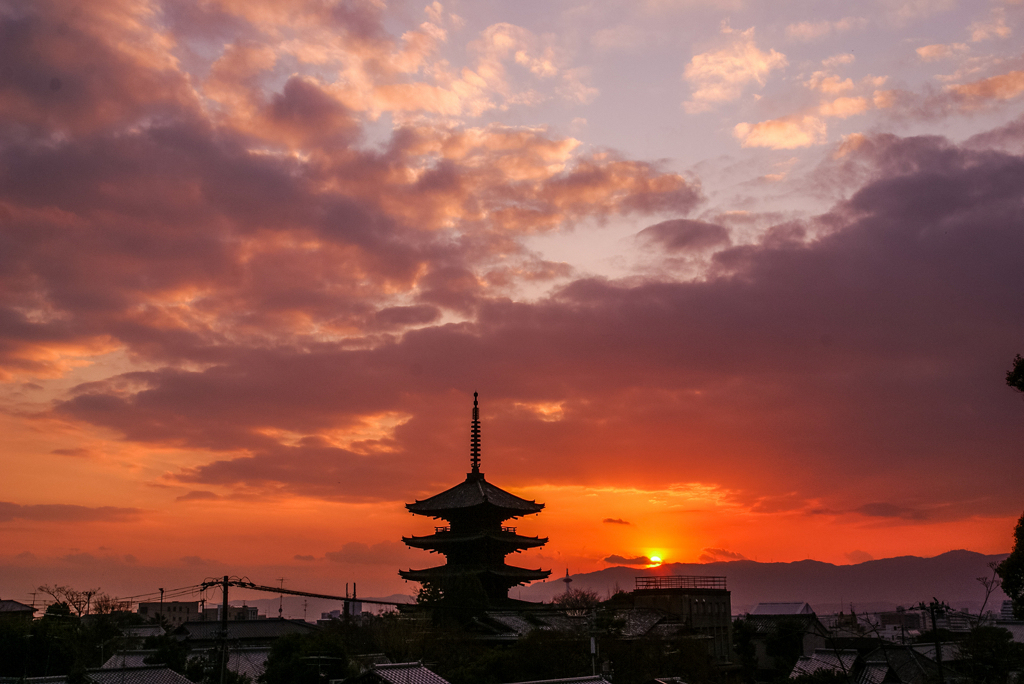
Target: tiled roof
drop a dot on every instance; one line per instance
(768, 624)
(595, 679)
(142, 630)
(873, 674)
(250, 660)
(795, 608)
(825, 660)
(127, 659)
(403, 673)
(512, 621)
(905, 665)
(639, 621)
(474, 491)
(1014, 628)
(150, 674)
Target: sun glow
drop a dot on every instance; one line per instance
(655, 560)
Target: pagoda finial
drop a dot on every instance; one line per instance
(474, 441)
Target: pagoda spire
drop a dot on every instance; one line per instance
(474, 439)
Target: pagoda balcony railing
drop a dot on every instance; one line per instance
(447, 528)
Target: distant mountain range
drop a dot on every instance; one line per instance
(871, 586)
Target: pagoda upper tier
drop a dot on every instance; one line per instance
(475, 496)
(475, 542)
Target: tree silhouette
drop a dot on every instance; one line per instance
(1011, 570)
(1015, 376)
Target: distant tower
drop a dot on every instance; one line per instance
(567, 580)
(475, 542)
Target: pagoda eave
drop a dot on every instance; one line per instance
(448, 540)
(507, 573)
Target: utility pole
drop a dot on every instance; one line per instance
(161, 605)
(224, 633)
(934, 607)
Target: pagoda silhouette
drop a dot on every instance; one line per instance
(475, 541)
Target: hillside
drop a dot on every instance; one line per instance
(873, 585)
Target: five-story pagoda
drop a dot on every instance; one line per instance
(475, 542)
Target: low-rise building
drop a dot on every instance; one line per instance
(702, 604)
(172, 613)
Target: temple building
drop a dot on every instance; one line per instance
(475, 541)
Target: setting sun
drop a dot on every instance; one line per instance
(655, 560)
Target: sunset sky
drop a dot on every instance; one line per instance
(734, 279)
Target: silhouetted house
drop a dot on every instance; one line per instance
(15, 611)
(888, 664)
(397, 673)
(475, 541)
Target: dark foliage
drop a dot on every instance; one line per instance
(1015, 376)
(60, 643)
(308, 658)
(1011, 570)
(743, 646)
(785, 645)
(988, 655)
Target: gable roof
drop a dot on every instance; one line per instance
(147, 674)
(840, 661)
(12, 606)
(769, 624)
(897, 663)
(792, 608)
(595, 679)
(400, 673)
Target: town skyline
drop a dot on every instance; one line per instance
(732, 282)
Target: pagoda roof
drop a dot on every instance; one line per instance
(474, 491)
(508, 572)
(442, 539)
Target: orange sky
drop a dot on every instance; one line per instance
(732, 282)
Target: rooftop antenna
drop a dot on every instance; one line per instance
(474, 442)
